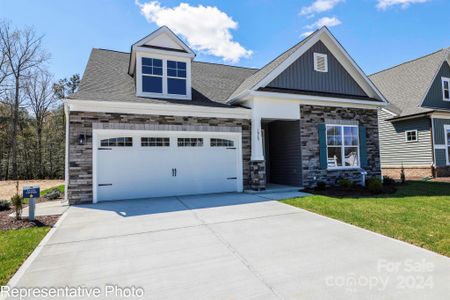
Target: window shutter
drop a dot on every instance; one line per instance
(323, 146)
(362, 146)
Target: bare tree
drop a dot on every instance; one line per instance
(23, 54)
(39, 93)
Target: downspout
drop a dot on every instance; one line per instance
(433, 155)
(66, 168)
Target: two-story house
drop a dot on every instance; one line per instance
(415, 127)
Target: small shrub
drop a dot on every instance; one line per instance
(374, 185)
(321, 185)
(345, 183)
(4, 205)
(402, 175)
(388, 181)
(16, 201)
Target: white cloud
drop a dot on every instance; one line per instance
(385, 4)
(325, 21)
(307, 33)
(319, 6)
(206, 28)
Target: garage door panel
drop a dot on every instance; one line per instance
(142, 172)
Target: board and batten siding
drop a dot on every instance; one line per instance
(434, 97)
(439, 139)
(300, 75)
(394, 149)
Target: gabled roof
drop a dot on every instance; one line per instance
(406, 85)
(162, 39)
(269, 72)
(106, 79)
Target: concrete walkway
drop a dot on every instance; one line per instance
(49, 208)
(229, 246)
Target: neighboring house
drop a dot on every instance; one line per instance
(154, 122)
(415, 127)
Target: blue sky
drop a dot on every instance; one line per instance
(376, 33)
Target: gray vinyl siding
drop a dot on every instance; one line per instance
(284, 153)
(393, 146)
(300, 75)
(439, 139)
(434, 96)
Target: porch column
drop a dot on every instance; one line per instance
(257, 163)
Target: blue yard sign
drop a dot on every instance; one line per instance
(31, 192)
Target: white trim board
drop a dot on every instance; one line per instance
(143, 108)
(319, 100)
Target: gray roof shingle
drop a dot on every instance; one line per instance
(106, 79)
(405, 85)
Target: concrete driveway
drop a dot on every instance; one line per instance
(229, 246)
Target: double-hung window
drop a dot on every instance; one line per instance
(342, 146)
(446, 89)
(152, 75)
(176, 77)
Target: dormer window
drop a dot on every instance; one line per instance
(176, 77)
(152, 75)
(446, 89)
(161, 66)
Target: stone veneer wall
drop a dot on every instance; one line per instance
(258, 175)
(80, 156)
(311, 117)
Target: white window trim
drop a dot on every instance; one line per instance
(447, 145)
(165, 94)
(343, 148)
(316, 57)
(412, 141)
(445, 79)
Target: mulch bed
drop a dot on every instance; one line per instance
(8, 223)
(353, 192)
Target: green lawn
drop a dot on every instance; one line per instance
(418, 213)
(59, 187)
(15, 247)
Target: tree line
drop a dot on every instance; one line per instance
(32, 119)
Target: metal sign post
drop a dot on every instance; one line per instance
(31, 193)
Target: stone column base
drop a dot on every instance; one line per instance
(258, 175)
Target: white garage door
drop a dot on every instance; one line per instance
(143, 164)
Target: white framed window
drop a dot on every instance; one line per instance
(342, 146)
(155, 142)
(445, 88)
(411, 136)
(215, 142)
(320, 62)
(152, 75)
(190, 142)
(163, 76)
(117, 142)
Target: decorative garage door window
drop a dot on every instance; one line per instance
(342, 146)
(117, 142)
(155, 142)
(221, 143)
(190, 142)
